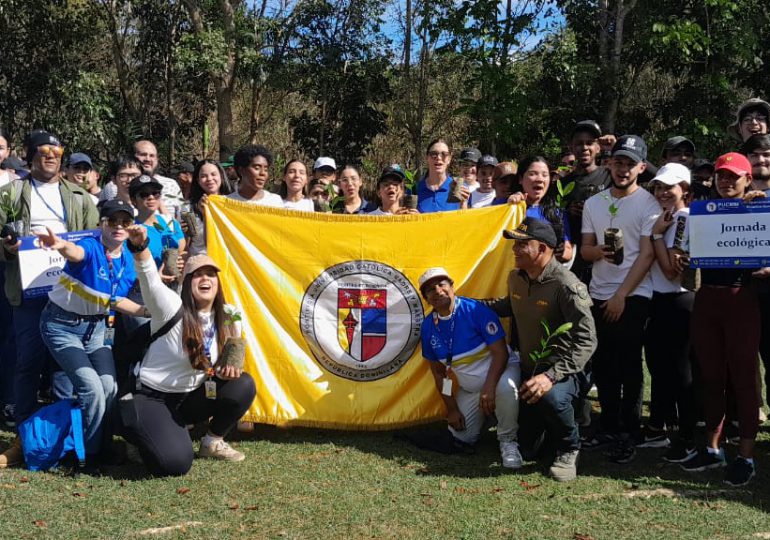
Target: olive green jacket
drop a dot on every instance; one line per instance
(81, 212)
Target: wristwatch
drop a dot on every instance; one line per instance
(657, 237)
(138, 249)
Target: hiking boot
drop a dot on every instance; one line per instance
(13, 456)
(679, 452)
(509, 451)
(219, 449)
(598, 440)
(623, 451)
(654, 438)
(704, 460)
(564, 467)
(739, 472)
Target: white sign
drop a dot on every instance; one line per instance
(40, 268)
(730, 234)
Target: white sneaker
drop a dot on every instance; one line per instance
(219, 449)
(509, 451)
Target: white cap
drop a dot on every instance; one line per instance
(325, 162)
(672, 174)
(432, 273)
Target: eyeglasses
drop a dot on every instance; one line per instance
(50, 150)
(751, 118)
(435, 154)
(114, 222)
(147, 194)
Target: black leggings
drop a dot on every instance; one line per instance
(157, 426)
(669, 359)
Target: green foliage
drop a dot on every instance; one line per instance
(546, 341)
(563, 192)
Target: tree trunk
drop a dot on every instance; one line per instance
(170, 115)
(225, 121)
(256, 100)
(622, 9)
(408, 39)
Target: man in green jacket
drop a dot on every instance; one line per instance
(43, 200)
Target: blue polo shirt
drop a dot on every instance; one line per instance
(429, 201)
(536, 212)
(167, 234)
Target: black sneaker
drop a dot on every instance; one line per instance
(623, 451)
(598, 440)
(704, 460)
(654, 438)
(8, 413)
(739, 472)
(679, 452)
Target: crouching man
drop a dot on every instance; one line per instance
(556, 336)
(475, 372)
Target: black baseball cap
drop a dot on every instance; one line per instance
(392, 171)
(487, 161)
(589, 126)
(630, 146)
(114, 206)
(14, 163)
(701, 163)
(471, 155)
(674, 142)
(142, 181)
(184, 166)
(36, 138)
(533, 229)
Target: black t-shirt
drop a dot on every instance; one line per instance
(726, 277)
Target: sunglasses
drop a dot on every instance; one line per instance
(50, 150)
(147, 194)
(435, 154)
(114, 222)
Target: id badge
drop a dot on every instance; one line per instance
(446, 387)
(109, 336)
(211, 389)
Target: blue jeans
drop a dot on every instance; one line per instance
(554, 414)
(77, 344)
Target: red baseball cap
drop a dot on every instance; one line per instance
(734, 162)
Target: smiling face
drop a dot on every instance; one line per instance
(670, 197)
(731, 185)
(760, 163)
(439, 292)
(114, 228)
(147, 200)
(46, 162)
(625, 171)
(585, 147)
(439, 158)
(78, 173)
(4, 149)
(209, 179)
(350, 183)
(204, 286)
(147, 154)
(256, 174)
(753, 121)
(535, 182)
(295, 177)
(485, 178)
(527, 253)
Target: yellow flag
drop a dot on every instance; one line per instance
(332, 310)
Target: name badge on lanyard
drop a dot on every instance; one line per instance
(109, 331)
(446, 385)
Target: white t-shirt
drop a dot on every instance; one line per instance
(47, 207)
(171, 195)
(269, 199)
(304, 205)
(635, 217)
(480, 200)
(660, 283)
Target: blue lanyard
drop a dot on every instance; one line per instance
(114, 282)
(447, 343)
(64, 208)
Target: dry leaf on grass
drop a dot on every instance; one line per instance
(251, 508)
(234, 506)
(162, 530)
(40, 523)
(24, 479)
(527, 486)
(442, 484)
(79, 495)
(183, 491)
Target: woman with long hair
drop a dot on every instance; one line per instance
(349, 179)
(209, 178)
(181, 379)
(293, 188)
(433, 190)
(534, 182)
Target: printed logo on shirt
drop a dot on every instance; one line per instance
(103, 274)
(361, 319)
(492, 328)
(541, 303)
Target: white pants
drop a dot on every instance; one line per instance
(506, 408)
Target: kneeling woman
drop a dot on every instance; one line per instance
(179, 381)
(77, 323)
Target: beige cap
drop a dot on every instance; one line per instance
(432, 273)
(198, 261)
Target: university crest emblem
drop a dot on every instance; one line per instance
(361, 319)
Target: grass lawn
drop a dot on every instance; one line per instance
(303, 483)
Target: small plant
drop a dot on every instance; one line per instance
(613, 208)
(334, 199)
(232, 314)
(8, 199)
(563, 191)
(546, 345)
(411, 181)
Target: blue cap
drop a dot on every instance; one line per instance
(79, 157)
